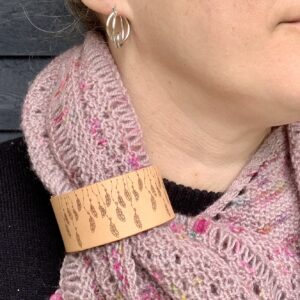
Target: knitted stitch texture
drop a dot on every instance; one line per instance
(80, 127)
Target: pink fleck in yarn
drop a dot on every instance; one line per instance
(56, 297)
(201, 225)
(80, 128)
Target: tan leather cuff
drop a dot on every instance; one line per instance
(112, 209)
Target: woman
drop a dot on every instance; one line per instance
(212, 99)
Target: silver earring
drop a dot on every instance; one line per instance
(117, 37)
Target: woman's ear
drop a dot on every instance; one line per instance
(104, 7)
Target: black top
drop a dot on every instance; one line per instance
(189, 201)
(31, 249)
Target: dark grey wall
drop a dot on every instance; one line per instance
(32, 32)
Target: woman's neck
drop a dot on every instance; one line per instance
(196, 138)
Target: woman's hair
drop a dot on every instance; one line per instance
(86, 16)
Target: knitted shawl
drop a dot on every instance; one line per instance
(80, 127)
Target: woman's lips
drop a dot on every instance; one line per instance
(292, 23)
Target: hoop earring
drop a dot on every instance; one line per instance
(117, 37)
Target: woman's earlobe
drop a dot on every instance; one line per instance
(104, 7)
(101, 7)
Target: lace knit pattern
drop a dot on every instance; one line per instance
(80, 127)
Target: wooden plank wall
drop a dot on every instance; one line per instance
(32, 32)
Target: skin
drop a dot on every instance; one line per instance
(208, 79)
